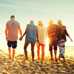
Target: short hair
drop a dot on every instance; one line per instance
(31, 21)
(40, 23)
(12, 16)
(60, 21)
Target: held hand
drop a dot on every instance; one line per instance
(71, 40)
(37, 41)
(20, 38)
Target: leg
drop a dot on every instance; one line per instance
(32, 50)
(43, 54)
(59, 44)
(50, 49)
(13, 53)
(14, 45)
(38, 53)
(9, 49)
(62, 51)
(55, 52)
(25, 50)
(59, 52)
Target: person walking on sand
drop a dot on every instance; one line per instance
(62, 33)
(31, 38)
(41, 38)
(11, 32)
(52, 35)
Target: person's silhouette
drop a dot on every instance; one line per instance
(31, 37)
(11, 33)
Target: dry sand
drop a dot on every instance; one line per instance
(19, 66)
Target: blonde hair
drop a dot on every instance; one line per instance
(40, 23)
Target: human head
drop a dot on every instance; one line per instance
(31, 22)
(50, 22)
(40, 23)
(59, 22)
(12, 17)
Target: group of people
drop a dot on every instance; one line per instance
(36, 34)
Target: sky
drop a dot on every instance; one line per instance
(44, 10)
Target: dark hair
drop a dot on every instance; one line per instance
(12, 16)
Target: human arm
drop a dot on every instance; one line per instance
(6, 31)
(67, 34)
(19, 29)
(23, 33)
(22, 36)
(37, 34)
(48, 31)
